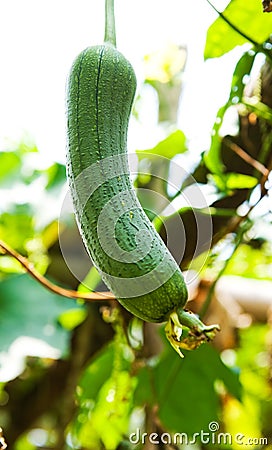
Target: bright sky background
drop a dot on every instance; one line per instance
(39, 40)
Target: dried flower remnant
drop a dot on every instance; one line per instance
(3, 444)
(267, 5)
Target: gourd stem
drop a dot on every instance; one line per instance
(110, 35)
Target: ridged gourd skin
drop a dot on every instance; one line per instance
(133, 260)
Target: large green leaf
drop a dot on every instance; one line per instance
(95, 375)
(144, 393)
(92, 380)
(105, 396)
(29, 310)
(109, 419)
(185, 389)
(247, 16)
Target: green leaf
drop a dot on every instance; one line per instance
(26, 145)
(251, 263)
(56, 175)
(105, 396)
(72, 318)
(240, 181)
(10, 265)
(110, 418)
(91, 281)
(28, 309)
(96, 374)
(174, 144)
(23, 443)
(245, 16)
(17, 226)
(251, 418)
(144, 390)
(212, 158)
(10, 164)
(185, 389)
(242, 69)
(231, 181)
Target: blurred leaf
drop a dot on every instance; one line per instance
(23, 443)
(109, 419)
(10, 265)
(251, 263)
(105, 396)
(242, 69)
(28, 309)
(231, 181)
(174, 143)
(56, 175)
(11, 163)
(16, 165)
(91, 281)
(18, 229)
(26, 145)
(144, 393)
(253, 342)
(153, 172)
(50, 233)
(72, 318)
(221, 212)
(165, 64)
(247, 417)
(25, 179)
(17, 226)
(185, 389)
(9, 167)
(96, 375)
(245, 16)
(242, 419)
(213, 158)
(240, 181)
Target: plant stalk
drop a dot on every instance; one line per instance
(110, 35)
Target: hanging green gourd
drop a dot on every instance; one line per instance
(130, 255)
